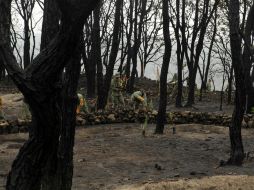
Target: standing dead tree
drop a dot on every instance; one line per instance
(248, 56)
(237, 151)
(102, 100)
(39, 84)
(5, 35)
(138, 23)
(164, 70)
(197, 42)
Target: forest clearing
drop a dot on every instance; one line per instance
(126, 94)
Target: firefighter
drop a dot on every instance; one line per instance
(139, 97)
(82, 104)
(116, 91)
(209, 85)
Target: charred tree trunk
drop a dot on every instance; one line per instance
(2, 73)
(50, 24)
(123, 46)
(222, 89)
(5, 35)
(134, 51)
(237, 151)
(161, 118)
(129, 51)
(97, 53)
(113, 55)
(67, 136)
(137, 42)
(91, 77)
(50, 28)
(230, 81)
(204, 84)
(247, 60)
(26, 49)
(192, 84)
(41, 91)
(180, 57)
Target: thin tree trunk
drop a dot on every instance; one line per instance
(129, 52)
(26, 49)
(5, 35)
(161, 118)
(137, 43)
(113, 54)
(237, 151)
(222, 91)
(247, 59)
(230, 81)
(180, 57)
(97, 54)
(91, 65)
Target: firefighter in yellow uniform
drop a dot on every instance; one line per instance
(82, 104)
(116, 91)
(139, 97)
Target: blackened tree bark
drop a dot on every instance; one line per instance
(237, 151)
(50, 24)
(90, 65)
(5, 21)
(40, 87)
(180, 57)
(123, 49)
(161, 118)
(113, 55)
(2, 72)
(129, 46)
(248, 59)
(59, 172)
(50, 28)
(96, 44)
(67, 136)
(230, 84)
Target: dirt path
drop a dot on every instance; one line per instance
(117, 157)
